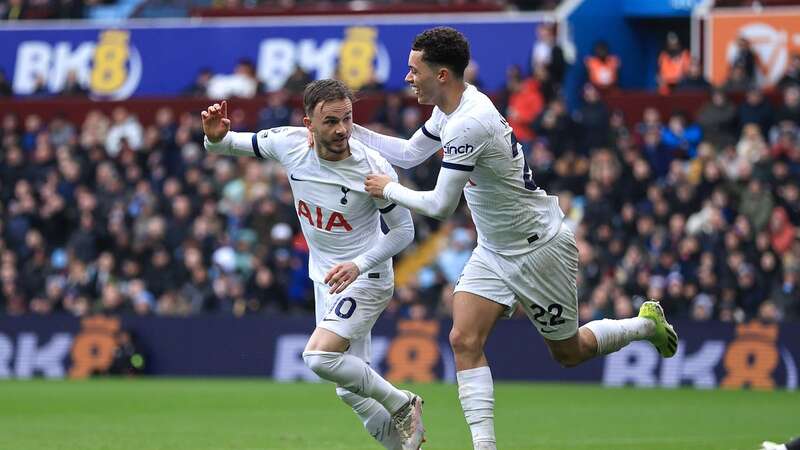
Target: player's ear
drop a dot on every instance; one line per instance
(442, 74)
(307, 123)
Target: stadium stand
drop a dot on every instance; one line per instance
(113, 206)
(109, 213)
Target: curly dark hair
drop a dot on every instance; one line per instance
(444, 46)
(324, 91)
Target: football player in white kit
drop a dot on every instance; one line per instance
(350, 257)
(525, 252)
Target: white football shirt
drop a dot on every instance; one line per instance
(512, 214)
(340, 221)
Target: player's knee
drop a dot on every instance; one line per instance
(322, 363)
(464, 342)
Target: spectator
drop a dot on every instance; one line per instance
(790, 109)
(5, 87)
(513, 81)
(718, 120)
(13, 10)
(782, 231)
(548, 54)
(471, 74)
(752, 147)
(390, 113)
(673, 64)
(756, 204)
(680, 137)
(524, 105)
(657, 153)
(694, 80)
(784, 136)
(651, 121)
(199, 88)
(411, 121)
(746, 60)
(789, 199)
(792, 75)
(454, 257)
(297, 81)
(594, 119)
(557, 126)
(786, 294)
(757, 110)
(126, 132)
(263, 288)
(602, 67)
(69, 9)
(276, 113)
(738, 81)
(242, 83)
(73, 87)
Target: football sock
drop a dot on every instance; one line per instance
(374, 416)
(356, 376)
(476, 392)
(612, 335)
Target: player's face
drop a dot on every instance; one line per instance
(422, 79)
(332, 124)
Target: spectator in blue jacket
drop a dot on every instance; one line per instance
(681, 137)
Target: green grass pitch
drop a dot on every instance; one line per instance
(225, 414)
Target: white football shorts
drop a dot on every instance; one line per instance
(543, 281)
(352, 313)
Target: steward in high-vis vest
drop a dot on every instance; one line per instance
(601, 67)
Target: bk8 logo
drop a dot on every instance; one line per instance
(110, 68)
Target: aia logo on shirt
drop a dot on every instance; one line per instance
(324, 220)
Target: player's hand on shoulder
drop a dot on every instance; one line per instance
(215, 121)
(341, 275)
(375, 183)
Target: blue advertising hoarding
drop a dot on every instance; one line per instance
(164, 58)
(710, 355)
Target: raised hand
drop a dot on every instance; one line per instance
(215, 121)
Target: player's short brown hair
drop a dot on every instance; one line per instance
(324, 91)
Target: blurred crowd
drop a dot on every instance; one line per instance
(700, 209)
(112, 216)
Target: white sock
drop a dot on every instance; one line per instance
(612, 335)
(476, 392)
(374, 416)
(356, 376)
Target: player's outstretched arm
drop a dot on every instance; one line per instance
(438, 203)
(401, 233)
(400, 152)
(220, 139)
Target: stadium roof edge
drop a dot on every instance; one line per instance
(445, 18)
